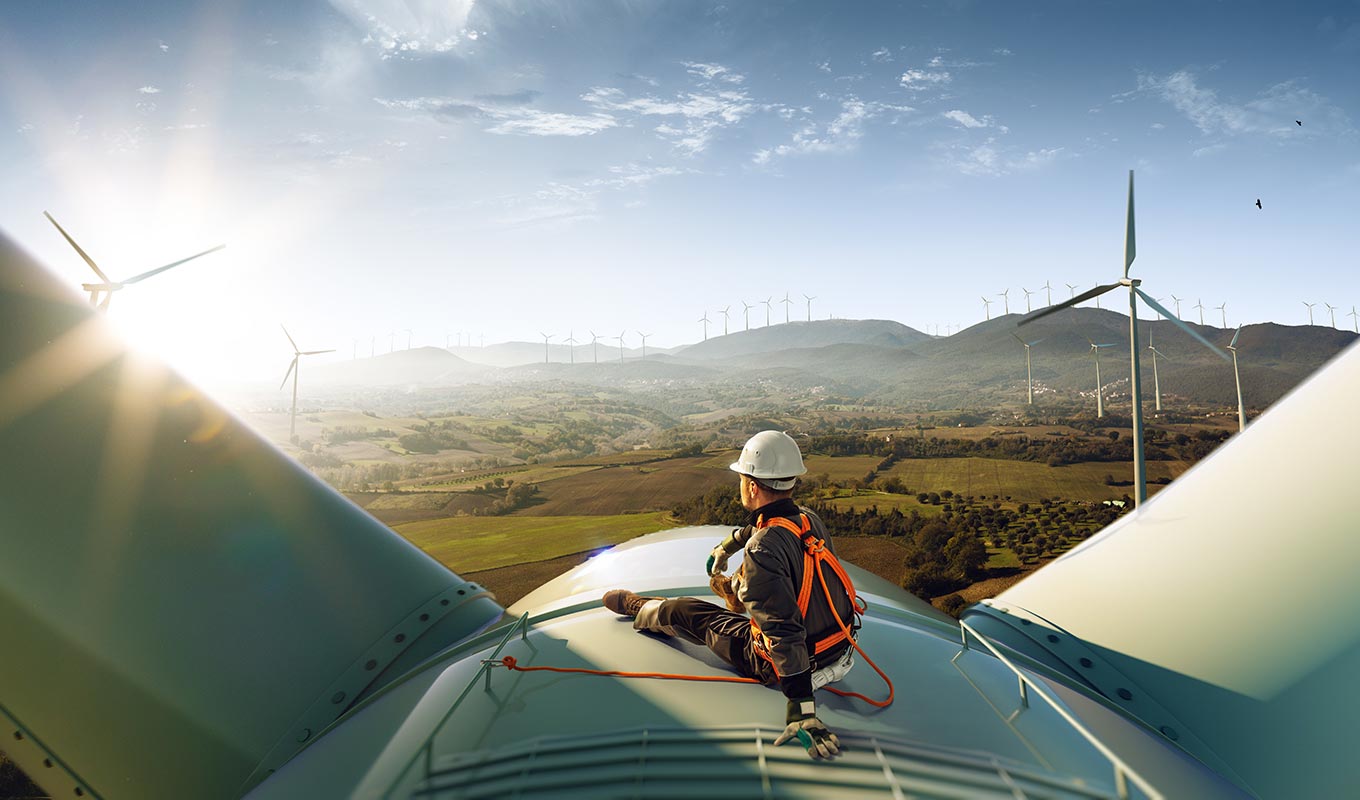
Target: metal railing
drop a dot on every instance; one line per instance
(1123, 773)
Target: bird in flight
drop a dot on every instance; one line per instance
(1298, 122)
(1258, 202)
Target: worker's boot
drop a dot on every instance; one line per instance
(624, 602)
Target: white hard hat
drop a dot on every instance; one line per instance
(773, 458)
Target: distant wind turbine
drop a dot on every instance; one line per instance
(408, 338)
(766, 301)
(1027, 294)
(1200, 305)
(1223, 310)
(1354, 320)
(372, 346)
(354, 351)
(481, 338)
(1331, 310)
(108, 287)
(1049, 289)
(571, 345)
(446, 339)
(1029, 374)
(810, 298)
(644, 344)
(293, 371)
(1130, 252)
(1177, 301)
(391, 341)
(1156, 384)
(1100, 402)
(1072, 290)
(1006, 300)
(987, 307)
(724, 313)
(1241, 409)
(1310, 311)
(620, 340)
(704, 319)
(546, 337)
(746, 310)
(595, 345)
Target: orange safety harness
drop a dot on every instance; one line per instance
(815, 555)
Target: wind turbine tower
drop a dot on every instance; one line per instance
(354, 351)
(108, 287)
(546, 337)
(1354, 320)
(620, 340)
(1029, 373)
(1049, 289)
(595, 345)
(987, 307)
(1331, 311)
(1241, 409)
(1006, 300)
(704, 319)
(766, 301)
(293, 371)
(1027, 294)
(1177, 301)
(1100, 401)
(1071, 290)
(1156, 384)
(571, 346)
(810, 298)
(1223, 310)
(1130, 252)
(1310, 311)
(1200, 305)
(644, 344)
(787, 302)
(725, 316)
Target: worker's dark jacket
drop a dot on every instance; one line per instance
(769, 581)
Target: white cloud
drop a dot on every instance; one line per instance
(825, 66)
(699, 116)
(838, 135)
(501, 119)
(967, 120)
(1157, 126)
(714, 72)
(1002, 51)
(1271, 112)
(993, 159)
(882, 55)
(149, 90)
(1209, 150)
(410, 27)
(916, 79)
(163, 47)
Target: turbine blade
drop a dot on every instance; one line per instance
(108, 296)
(1130, 249)
(83, 255)
(1172, 318)
(1036, 341)
(316, 352)
(159, 270)
(1233, 343)
(1017, 338)
(1081, 298)
(289, 373)
(290, 338)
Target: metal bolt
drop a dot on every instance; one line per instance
(370, 664)
(305, 735)
(1086, 662)
(399, 638)
(424, 617)
(339, 697)
(1053, 637)
(1170, 733)
(1124, 694)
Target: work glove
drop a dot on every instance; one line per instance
(804, 726)
(717, 560)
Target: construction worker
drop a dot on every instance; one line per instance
(791, 638)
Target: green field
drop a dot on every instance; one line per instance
(471, 544)
(884, 502)
(841, 468)
(628, 490)
(1025, 480)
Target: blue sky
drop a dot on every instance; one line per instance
(506, 168)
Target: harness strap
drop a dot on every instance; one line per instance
(814, 554)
